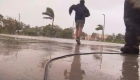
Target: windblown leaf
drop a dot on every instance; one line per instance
(49, 10)
(47, 18)
(48, 14)
(100, 27)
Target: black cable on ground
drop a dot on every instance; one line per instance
(69, 55)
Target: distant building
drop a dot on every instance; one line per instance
(82, 37)
(106, 36)
(89, 37)
(74, 35)
(99, 37)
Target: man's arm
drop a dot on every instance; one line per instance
(71, 9)
(87, 13)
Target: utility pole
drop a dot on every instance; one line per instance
(103, 28)
(19, 24)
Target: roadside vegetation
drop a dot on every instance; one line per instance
(12, 26)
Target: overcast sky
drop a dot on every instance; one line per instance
(31, 13)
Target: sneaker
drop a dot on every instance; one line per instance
(78, 41)
(129, 50)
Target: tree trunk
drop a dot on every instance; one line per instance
(52, 28)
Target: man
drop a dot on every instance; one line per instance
(132, 23)
(81, 12)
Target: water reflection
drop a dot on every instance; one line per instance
(76, 73)
(130, 68)
(98, 56)
(105, 48)
(95, 47)
(9, 47)
(47, 50)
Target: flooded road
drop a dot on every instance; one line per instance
(25, 59)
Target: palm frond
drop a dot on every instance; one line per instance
(48, 14)
(100, 27)
(50, 10)
(47, 18)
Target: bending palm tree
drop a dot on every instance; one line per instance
(50, 13)
(100, 27)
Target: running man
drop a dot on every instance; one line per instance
(81, 12)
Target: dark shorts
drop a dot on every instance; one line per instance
(79, 23)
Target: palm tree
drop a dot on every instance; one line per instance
(100, 27)
(50, 13)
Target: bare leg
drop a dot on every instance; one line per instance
(79, 31)
(81, 25)
(76, 32)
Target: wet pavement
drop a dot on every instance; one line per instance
(95, 67)
(24, 58)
